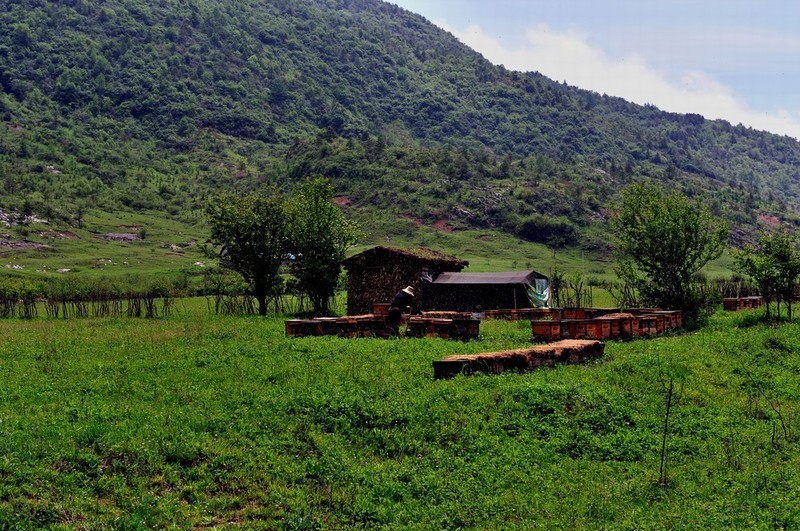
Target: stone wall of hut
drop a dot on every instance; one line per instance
(379, 282)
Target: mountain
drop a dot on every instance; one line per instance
(147, 105)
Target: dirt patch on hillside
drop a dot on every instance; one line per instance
(17, 244)
(439, 224)
(443, 225)
(768, 220)
(343, 200)
(417, 221)
(120, 237)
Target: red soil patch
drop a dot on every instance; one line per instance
(416, 220)
(770, 221)
(342, 200)
(443, 225)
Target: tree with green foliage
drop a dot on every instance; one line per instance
(320, 236)
(774, 266)
(663, 241)
(555, 233)
(253, 234)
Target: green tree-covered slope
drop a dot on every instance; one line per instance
(147, 105)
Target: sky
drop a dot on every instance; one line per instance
(738, 60)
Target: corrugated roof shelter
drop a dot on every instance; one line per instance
(377, 274)
(469, 292)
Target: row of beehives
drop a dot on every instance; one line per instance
(575, 335)
(559, 314)
(643, 322)
(459, 326)
(733, 304)
(567, 351)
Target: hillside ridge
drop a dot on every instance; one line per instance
(146, 105)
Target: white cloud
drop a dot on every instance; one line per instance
(569, 57)
(731, 48)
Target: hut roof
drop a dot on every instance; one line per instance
(422, 254)
(509, 277)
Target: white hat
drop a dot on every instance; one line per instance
(409, 290)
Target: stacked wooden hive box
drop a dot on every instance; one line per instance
(567, 351)
(733, 304)
(368, 325)
(446, 325)
(603, 324)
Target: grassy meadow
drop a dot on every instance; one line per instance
(205, 421)
(170, 246)
(162, 247)
(170, 249)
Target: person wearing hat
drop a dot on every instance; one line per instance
(404, 299)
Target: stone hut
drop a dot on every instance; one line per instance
(377, 274)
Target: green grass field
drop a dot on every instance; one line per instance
(168, 248)
(201, 421)
(172, 248)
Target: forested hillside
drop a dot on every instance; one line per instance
(147, 105)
